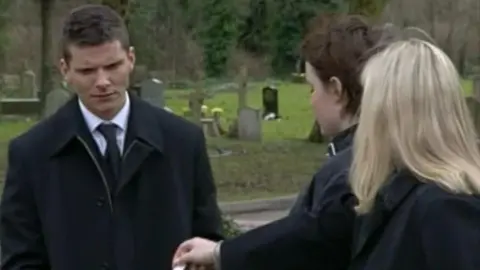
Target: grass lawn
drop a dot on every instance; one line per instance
(282, 164)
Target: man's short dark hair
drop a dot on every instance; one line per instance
(92, 25)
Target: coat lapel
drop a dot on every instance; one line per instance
(144, 136)
(69, 125)
(135, 155)
(390, 197)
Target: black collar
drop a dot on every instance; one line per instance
(341, 141)
(143, 125)
(399, 185)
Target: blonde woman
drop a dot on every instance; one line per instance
(416, 165)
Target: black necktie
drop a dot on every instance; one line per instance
(112, 153)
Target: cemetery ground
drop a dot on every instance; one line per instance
(281, 164)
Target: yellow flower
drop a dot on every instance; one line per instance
(217, 110)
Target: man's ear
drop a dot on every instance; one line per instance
(131, 57)
(63, 66)
(336, 87)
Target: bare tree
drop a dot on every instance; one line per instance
(46, 7)
(449, 22)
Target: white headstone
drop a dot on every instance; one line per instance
(249, 124)
(29, 85)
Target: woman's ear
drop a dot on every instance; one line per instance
(336, 87)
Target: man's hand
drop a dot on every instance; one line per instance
(197, 253)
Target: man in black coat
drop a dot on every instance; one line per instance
(109, 181)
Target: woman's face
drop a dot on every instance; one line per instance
(326, 100)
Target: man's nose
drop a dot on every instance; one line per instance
(103, 79)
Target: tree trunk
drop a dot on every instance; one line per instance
(46, 7)
(315, 135)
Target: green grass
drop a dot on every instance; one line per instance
(467, 87)
(294, 107)
(281, 164)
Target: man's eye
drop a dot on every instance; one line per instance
(86, 70)
(113, 66)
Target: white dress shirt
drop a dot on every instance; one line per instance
(120, 120)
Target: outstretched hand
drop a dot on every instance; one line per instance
(197, 253)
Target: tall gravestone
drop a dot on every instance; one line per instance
(54, 100)
(249, 124)
(270, 102)
(28, 85)
(10, 85)
(152, 90)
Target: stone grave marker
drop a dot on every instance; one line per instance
(54, 100)
(270, 103)
(10, 83)
(152, 90)
(28, 85)
(249, 124)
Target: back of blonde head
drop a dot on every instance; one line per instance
(414, 116)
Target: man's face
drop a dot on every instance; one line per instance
(100, 76)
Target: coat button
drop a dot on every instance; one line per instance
(100, 201)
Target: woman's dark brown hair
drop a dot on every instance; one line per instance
(337, 46)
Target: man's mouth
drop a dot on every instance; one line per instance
(106, 95)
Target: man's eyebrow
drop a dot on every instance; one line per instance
(116, 62)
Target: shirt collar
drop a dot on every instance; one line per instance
(120, 119)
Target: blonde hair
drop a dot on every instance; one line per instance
(413, 115)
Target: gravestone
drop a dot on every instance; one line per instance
(249, 124)
(139, 74)
(152, 90)
(10, 83)
(270, 102)
(54, 100)
(28, 85)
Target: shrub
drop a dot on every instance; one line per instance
(230, 227)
